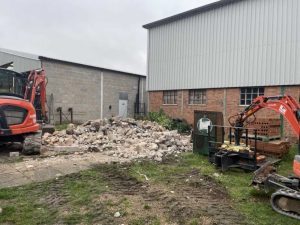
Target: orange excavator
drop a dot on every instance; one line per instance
(286, 196)
(22, 108)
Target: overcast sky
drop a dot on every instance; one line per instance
(105, 33)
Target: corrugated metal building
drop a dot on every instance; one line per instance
(232, 50)
(21, 61)
(90, 92)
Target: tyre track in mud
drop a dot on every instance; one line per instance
(180, 199)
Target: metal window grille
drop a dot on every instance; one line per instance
(197, 97)
(249, 94)
(170, 97)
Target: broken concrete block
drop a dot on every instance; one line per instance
(14, 154)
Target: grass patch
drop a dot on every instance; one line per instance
(76, 199)
(147, 207)
(255, 205)
(44, 203)
(60, 127)
(145, 221)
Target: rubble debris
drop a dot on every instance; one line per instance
(14, 154)
(117, 214)
(123, 138)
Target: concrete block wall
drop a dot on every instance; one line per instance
(113, 84)
(226, 101)
(79, 87)
(73, 87)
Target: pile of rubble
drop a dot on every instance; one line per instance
(124, 138)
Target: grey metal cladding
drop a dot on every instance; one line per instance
(189, 13)
(248, 43)
(20, 63)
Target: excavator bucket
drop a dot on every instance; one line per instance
(286, 196)
(261, 176)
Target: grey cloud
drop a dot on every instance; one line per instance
(105, 33)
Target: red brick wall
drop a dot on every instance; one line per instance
(226, 101)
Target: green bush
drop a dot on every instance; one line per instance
(181, 125)
(161, 118)
(171, 124)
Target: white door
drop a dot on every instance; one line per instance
(123, 108)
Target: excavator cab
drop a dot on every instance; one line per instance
(22, 106)
(12, 83)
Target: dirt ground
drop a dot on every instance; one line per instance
(183, 199)
(180, 198)
(93, 188)
(187, 198)
(114, 194)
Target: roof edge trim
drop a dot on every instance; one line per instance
(88, 66)
(201, 9)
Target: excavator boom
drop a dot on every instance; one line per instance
(285, 105)
(286, 198)
(35, 92)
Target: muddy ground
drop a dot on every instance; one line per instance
(120, 194)
(187, 198)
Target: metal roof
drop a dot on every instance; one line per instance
(201, 9)
(32, 57)
(87, 66)
(20, 54)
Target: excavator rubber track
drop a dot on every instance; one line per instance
(32, 143)
(286, 202)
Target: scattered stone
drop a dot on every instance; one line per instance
(14, 154)
(1, 210)
(70, 129)
(29, 166)
(216, 175)
(117, 214)
(121, 138)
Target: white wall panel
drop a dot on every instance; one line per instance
(248, 43)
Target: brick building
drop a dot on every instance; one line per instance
(220, 56)
(91, 92)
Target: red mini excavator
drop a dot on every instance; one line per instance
(286, 198)
(22, 108)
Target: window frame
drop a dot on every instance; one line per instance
(170, 97)
(248, 94)
(197, 93)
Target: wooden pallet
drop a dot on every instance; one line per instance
(273, 148)
(259, 137)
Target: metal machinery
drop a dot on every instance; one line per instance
(286, 198)
(22, 108)
(224, 157)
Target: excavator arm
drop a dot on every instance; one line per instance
(35, 92)
(285, 105)
(286, 198)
